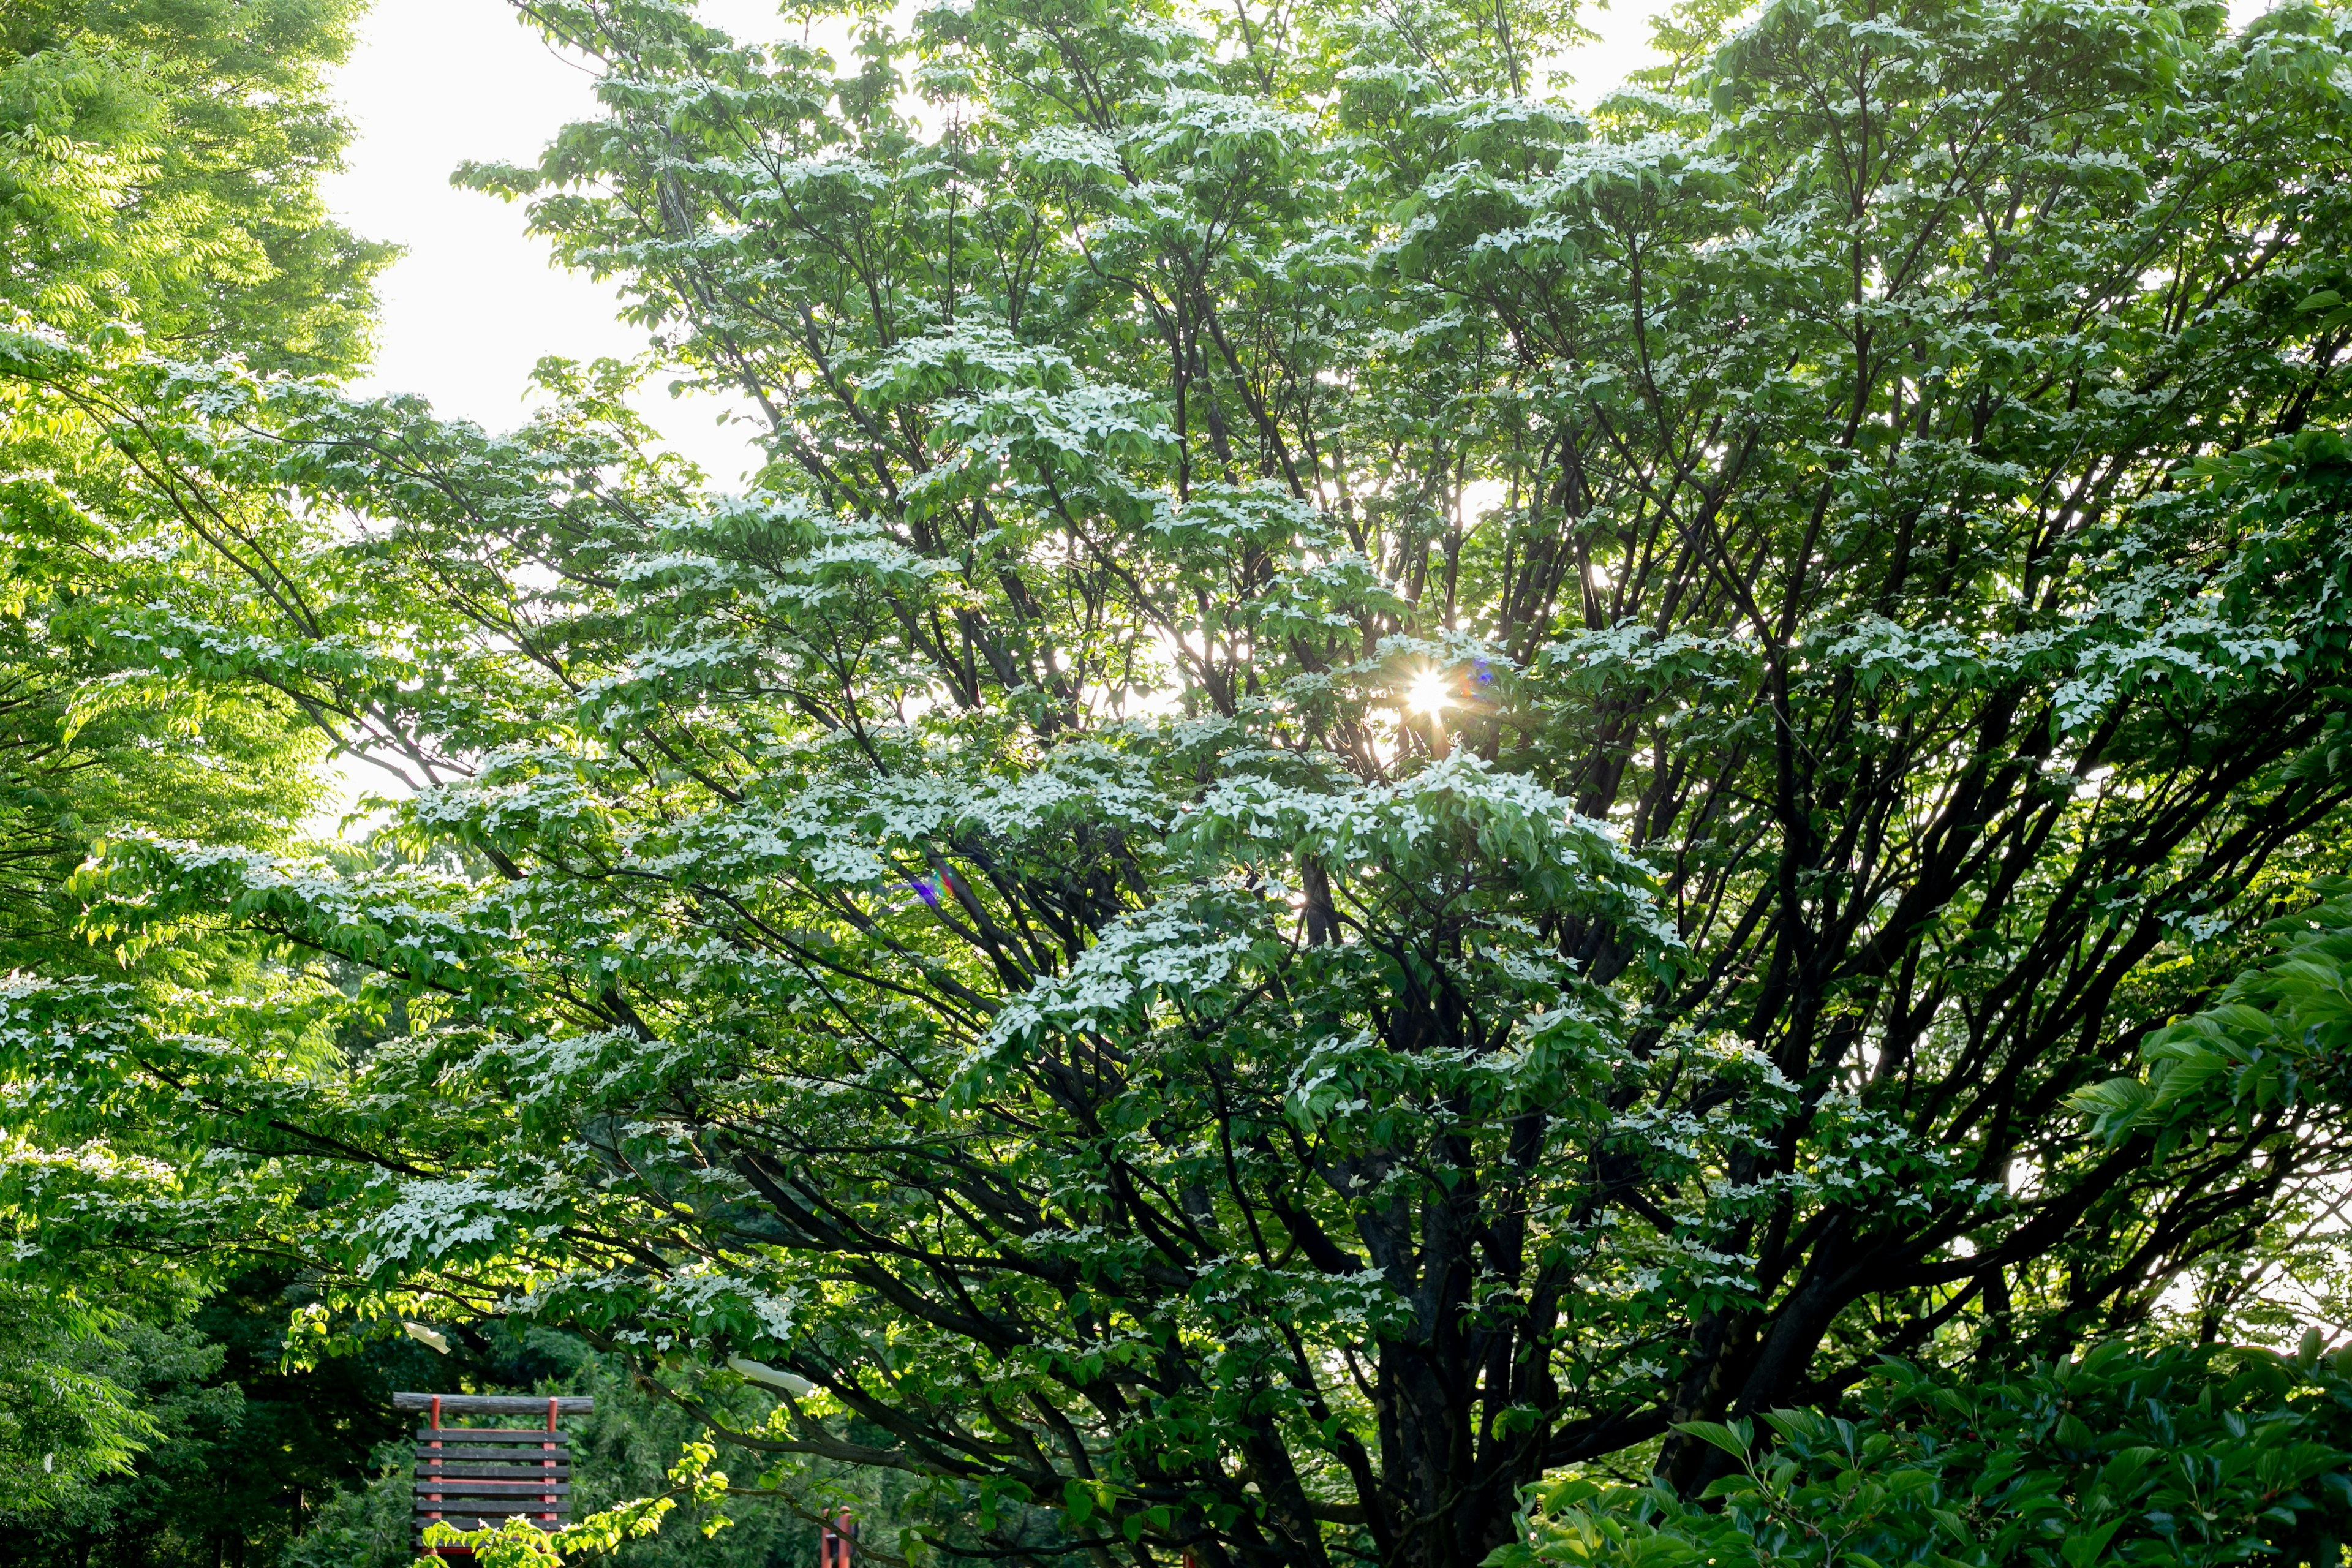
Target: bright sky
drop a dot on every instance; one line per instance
(474, 303)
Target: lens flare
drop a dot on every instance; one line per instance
(1428, 693)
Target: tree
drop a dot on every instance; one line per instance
(236, 1452)
(2167, 1454)
(159, 169)
(57, 1410)
(1391, 788)
(158, 193)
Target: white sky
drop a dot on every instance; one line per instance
(474, 303)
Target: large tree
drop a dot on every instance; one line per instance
(1389, 787)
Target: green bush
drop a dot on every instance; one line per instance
(2181, 1455)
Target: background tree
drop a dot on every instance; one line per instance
(159, 164)
(1391, 788)
(237, 1454)
(159, 169)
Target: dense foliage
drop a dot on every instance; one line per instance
(2178, 1458)
(159, 164)
(159, 169)
(1389, 787)
(238, 1452)
(159, 161)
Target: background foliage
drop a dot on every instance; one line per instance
(2178, 1457)
(158, 171)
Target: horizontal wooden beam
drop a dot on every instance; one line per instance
(491, 1403)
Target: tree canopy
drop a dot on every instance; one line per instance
(159, 168)
(1388, 788)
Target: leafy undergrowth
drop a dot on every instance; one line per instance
(2182, 1455)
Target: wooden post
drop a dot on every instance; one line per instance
(832, 1542)
(547, 1470)
(435, 1496)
